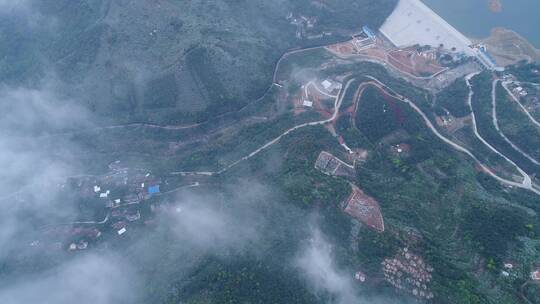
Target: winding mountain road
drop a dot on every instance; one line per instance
(515, 99)
(526, 184)
(496, 123)
(337, 106)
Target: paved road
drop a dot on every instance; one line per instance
(104, 221)
(496, 123)
(524, 185)
(514, 98)
(322, 92)
(527, 182)
(337, 106)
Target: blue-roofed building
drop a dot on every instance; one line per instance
(153, 189)
(368, 32)
(486, 59)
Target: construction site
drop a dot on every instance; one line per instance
(412, 61)
(316, 95)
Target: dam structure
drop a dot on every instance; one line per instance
(414, 23)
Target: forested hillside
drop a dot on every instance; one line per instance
(167, 61)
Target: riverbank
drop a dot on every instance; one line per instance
(508, 47)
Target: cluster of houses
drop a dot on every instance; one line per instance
(130, 188)
(119, 194)
(304, 25)
(519, 90)
(516, 87)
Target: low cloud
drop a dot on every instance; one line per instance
(34, 163)
(89, 279)
(316, 264)
(212, 222)
(13, 6)
(38, 110)
(26, 11)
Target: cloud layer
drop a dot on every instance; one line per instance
(90, 279)
(316, 264)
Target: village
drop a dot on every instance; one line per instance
(527, 93)
(122, 199)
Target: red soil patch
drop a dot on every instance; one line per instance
(412, 62)
(345, 48)
(365, 209)
(375, 53)
(406, 60)
(390, 101)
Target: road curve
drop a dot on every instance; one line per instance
(455, 145)
(514, 98)
(527, 183)
(496, 123)
(337, 106)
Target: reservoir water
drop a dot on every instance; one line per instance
(476, 18)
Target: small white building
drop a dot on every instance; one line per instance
(508, 266)
(122, 231)
(105, 194)
(82, 245)
(330, 85)
(360, 277)
(326, 84)
(97, 188)
(308, 103)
